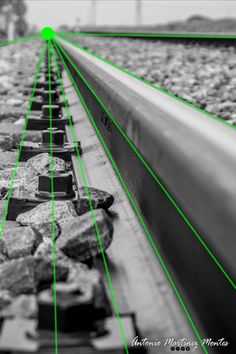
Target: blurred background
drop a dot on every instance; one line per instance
(22, 17)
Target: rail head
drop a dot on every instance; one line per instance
(150, 32)
(193, 155)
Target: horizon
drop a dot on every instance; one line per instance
(123, 13)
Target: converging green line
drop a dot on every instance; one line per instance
(53, 204)
(19, 40)
(148, 35)
(22, 141)
(91, 207)
(134, 206)
(158, 88)
(174, 203)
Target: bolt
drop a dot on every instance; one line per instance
(57, 136)
(45, 84)
(63, 185)
(55, 112)
(52, 93)
(53, 77)
(70, 308)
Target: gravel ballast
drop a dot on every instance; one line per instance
(201, 74)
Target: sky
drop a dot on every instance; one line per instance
(122, 12)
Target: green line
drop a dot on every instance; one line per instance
(135, 208)
(158, 88)
(22, 141)
(174, 203)
(20, 40)
(92, 209)
(148, 35)
(53, 206)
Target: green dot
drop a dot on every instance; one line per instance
(47, 33)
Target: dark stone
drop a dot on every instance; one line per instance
(6, 298)
(17, 276)
(40, 164)
(6, 178)
(42, 213)
(23, 179)
(99, 199)
(20, 242)
(78, 238)
(30, 274)
(3, 258)
(45, 230)
(44, 276)
(75, 268)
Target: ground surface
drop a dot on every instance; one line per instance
(202, 75)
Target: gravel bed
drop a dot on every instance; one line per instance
(202, 75)
(26, 246)
(18, 65)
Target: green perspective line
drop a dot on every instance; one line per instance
(21, 141)
(147, 35)
(19, 40)
(92, 209)
(53, 204)
(158, 88)
(134, 205)
(152, 173)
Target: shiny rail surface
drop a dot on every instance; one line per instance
(152, 32)
(194, 158)
(211, 38)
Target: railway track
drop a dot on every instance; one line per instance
(169, 272)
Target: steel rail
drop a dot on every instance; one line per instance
(194, 157)
(210, 38)
(146, 31)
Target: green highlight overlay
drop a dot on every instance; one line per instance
(47, 33)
